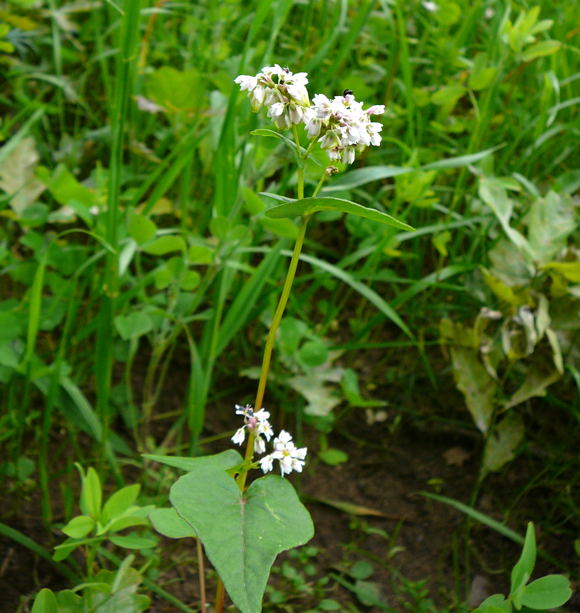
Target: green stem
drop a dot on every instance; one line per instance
(300, 163)
(279, 312)
(270, 345)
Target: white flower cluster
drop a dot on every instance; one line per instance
(282, 92)
(341, 125)
(288, 455)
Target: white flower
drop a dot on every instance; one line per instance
(255, 421)
(283, 92)
(342, 125)
(289, 457)
(240, 436)
(430, 6)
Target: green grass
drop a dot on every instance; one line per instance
(72, 126)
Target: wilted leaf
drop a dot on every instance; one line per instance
(550, 223)
(502, 442)
(538, 379)
(17, 175)
(476, 384)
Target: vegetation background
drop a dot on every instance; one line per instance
(139, 273)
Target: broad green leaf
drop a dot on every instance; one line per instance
(170, 524)
(362, 176)
(524, 567)
(78, 527)
(242, 535)
(308, 206)
(476, 385)
(502, 442)
(120, 501)
(133, 541)
(140, 228)
(541, 49)
(45, 602)
(133, 325)
(547, 592)
(223, 461)
(164, 244)
(313, 353)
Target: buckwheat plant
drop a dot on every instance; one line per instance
(243, 527)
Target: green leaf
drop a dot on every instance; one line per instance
(79, 526)
(308, 206)
(547, 592)
(224, 460)
(199, 254)
(362, 176)
(268, 519)
(175, 90)
(120, 501)
(91, 492)
(502, 442)
(541, 49)
(274, 134)
(133, 325)
(333, 457)
(168, 523)
(313, 353)
(494, 604)
(133, 541)
(65, 188)
(524, 567)
(45, 602)
(165, 244)
(140, 228)
(280, 227)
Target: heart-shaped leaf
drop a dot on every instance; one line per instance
(547, 592)
(242, 534)
(307, 206)
(170, 524)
